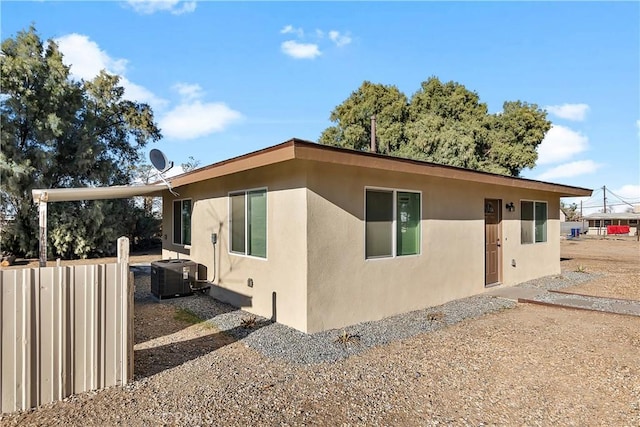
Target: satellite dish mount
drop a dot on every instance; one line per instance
(162, 165)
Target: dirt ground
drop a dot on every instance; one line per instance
(531, 365)
(617, 259)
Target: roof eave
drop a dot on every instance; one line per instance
(268, 156)
(312, 151)
(306, 150)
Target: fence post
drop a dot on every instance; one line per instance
(123, 250)
(42, 220)
(127, 309)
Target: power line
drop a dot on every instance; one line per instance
(621, 199)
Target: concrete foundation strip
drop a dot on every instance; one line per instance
(571, 307)
(591, 296)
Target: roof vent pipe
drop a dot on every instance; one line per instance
(373, 133)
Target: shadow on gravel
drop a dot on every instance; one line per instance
(154, 360)
(158, 316)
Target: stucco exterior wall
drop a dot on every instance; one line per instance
(281, 277)
(344, 288)
(316, 266)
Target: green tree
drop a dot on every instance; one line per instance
(353, 118)
(570, 211)
(190, 164)
(447, 124)
(58, 132)
(514, 137)
(442, 123)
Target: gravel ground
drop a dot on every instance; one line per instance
(278, 341)
(274, 340)
(593, 303)
(565, 280)
(527, 365)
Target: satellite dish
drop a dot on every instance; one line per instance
(162, 164)
(159, 160)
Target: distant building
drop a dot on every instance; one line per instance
(602, 223)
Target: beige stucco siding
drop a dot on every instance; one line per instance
(316, 265)
(532, 260)
(344, 288)
(282, 275)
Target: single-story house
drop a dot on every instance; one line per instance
(319, 237)
(602, 223)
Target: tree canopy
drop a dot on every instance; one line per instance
(59, 132)
(442, 123)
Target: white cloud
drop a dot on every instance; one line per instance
(86, 60)
(174, 171)
(197, 119)
(624, 198)
(85, 57)
(568, 170)
(176, 7)
(629, 191)
(139, 93)
(560, 144)
(300, 50)
(289, 29)
(188, 91)
(339, 39)
(575, 112)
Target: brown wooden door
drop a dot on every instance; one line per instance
(492, 235)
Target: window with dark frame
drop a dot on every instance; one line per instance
(389, 211)
(182, 222)
(248, 223)
(533, 222)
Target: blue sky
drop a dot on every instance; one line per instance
(225, 79)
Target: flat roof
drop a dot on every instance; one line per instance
(613, 215)
(95, 193)
(306, 150)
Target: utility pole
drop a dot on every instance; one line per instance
(604, 198)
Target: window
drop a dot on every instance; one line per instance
(182, 222)
(392, 223)
(248, 223)
(533, 222)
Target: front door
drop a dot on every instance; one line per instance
(492, 234)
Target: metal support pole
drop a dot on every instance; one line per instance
(42, 211)
(373, 147)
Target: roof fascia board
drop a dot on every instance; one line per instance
(305, 150)
(314, 152)
(276, 154)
